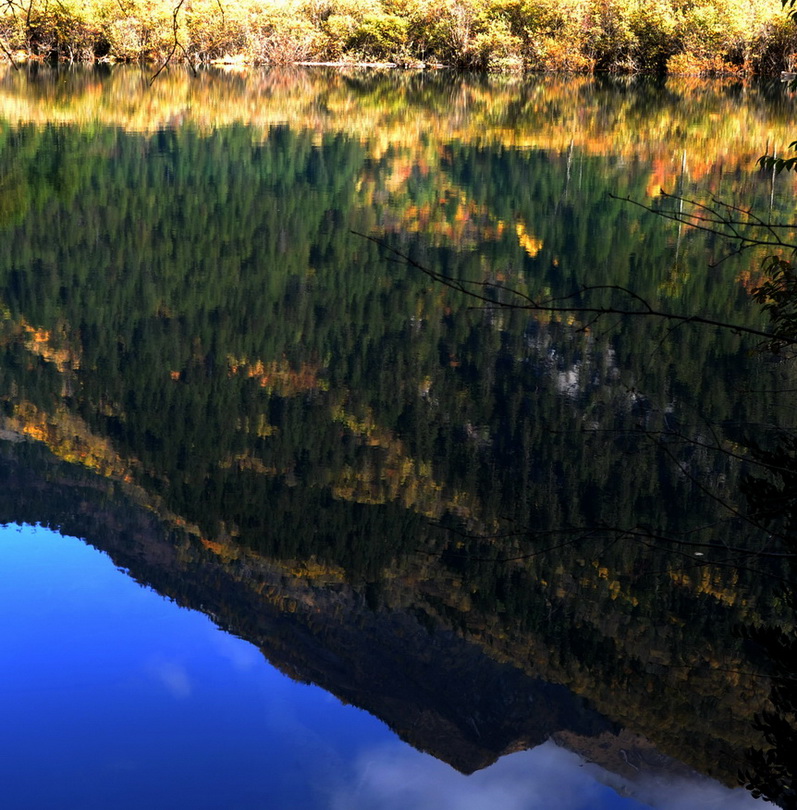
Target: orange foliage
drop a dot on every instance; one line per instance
(277, 376)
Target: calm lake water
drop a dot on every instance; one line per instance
(434, 552)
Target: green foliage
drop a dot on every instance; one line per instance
(730, 36)
(778, 298)
(380, 36)
(779, 164)
(610, 36)
(143, 31)
(654, 27)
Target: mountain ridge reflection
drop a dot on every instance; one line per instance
(432, 699)
(164, 655)
(436, 513)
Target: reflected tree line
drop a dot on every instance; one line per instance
(769, 485)
(191, 315)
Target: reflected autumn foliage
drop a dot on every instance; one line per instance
(682, 125)
(334, 445)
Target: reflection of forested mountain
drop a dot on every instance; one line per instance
(380, 646)
(349, 458)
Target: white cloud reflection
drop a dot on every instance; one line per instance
(171, 675)
(395, 777)
(241, 655)
(697, 794)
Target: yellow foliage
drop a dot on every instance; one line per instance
(531, 244)
(566, 35)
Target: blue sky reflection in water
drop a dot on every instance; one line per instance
(114, 697)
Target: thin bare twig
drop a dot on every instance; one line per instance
(750, 231)
(175, 45)
(8, 53)
(483, 291)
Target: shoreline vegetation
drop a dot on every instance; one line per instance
(687, 37)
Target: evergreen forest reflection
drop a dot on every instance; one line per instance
(439, 513)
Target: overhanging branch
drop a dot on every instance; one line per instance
(485, 293)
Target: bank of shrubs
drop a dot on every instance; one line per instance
(678, 36)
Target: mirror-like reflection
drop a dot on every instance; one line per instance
(488, 528)
(122, 698)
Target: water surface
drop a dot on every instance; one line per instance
(468, 522)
